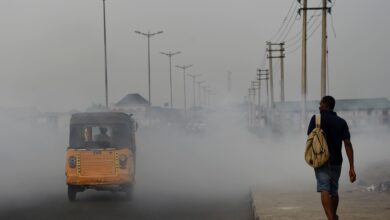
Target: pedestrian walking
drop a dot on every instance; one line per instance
(336, 131)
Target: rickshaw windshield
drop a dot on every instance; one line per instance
(99, 136)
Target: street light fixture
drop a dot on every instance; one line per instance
(170, 54)
(184, 83)
(149, 35)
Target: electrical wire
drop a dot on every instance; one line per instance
(307, 39)
(333, 28)
(316, 16)
(310, 23)
(288, 26)
(284, 20)
(289, 30)
(298, 41)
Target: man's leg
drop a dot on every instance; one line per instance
(335, 203)
(327, 204)
(335, 175)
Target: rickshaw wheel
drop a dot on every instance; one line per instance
(72, 193)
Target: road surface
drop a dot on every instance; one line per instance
(105, 206)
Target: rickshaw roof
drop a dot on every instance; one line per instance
(100, 118)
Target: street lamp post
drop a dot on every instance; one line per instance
(184, 83)
(199, 97)
(193, 85)
(149, 35)
(205, 94)
(170, 54)
(105, 52)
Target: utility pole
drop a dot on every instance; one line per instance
(105, 52)
(149, 35)
(264, 76)
(251, 95)
(281, 57)
(184, 83)
(254, 85)
(324, 48)
(193, 85)
(249, 107)
(170, 54)
(282, 72)
(304, 61)
(324, 9)
(269, 56)
(229, 81)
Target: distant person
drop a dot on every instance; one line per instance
(336, 131)
(103, 136)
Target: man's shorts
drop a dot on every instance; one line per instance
(328, 179)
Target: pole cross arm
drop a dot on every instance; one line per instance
(329, 9)
(276, 57)
(275, 50)
(274, 44)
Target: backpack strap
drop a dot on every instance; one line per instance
(318, 120)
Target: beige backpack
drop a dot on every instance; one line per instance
(317, 152)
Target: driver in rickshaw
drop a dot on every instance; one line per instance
(103, 136)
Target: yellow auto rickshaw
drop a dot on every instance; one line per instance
(101, 153)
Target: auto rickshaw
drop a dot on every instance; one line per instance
(101, 153)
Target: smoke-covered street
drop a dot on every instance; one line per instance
(179, 175)
(223, 109)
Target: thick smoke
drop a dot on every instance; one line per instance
(223, 159)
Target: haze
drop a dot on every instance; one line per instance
(52, 50)
(52, 62)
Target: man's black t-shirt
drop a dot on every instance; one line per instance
(336, 130)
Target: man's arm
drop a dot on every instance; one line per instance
(312, 124)
(349, 151)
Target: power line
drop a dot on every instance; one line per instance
(298, 40)
(333, 28)
(289, 30)
(309, 36)
(311, 23)
(284, 20)
(287, 25)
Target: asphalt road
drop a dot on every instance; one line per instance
(92, 205)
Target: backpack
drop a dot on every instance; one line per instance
(317, 152)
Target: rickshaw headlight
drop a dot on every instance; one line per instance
(72, 162)
(122, 161)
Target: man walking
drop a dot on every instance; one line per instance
(336, 131)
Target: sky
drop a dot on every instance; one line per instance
(52, 56)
